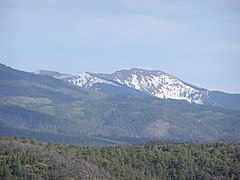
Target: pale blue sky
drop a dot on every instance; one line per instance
(197, 41)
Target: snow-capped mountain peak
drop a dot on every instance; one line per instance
(85, 79)
(151, 82)
(160, 84)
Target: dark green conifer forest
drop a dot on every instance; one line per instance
(31, 159)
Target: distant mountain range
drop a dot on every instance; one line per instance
(115, 109)
(154, 83)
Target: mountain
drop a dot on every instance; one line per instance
(93, 82)
(159, 84)
(51, 109)
(20, 83)
(30, 104)
(154, 83)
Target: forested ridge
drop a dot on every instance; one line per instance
(48, 109)
(117, 118)
(31, 159)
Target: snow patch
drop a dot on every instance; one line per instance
(162, 85)
(84, 79)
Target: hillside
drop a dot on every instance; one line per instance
(156, 160)
(46, 108)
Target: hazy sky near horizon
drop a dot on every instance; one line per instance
(196, 41)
